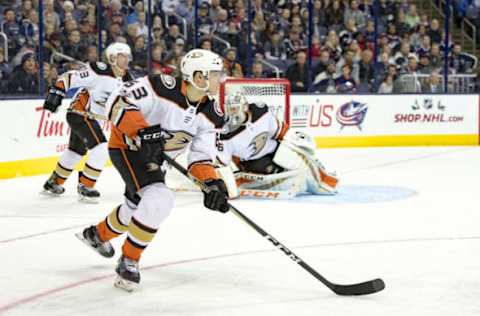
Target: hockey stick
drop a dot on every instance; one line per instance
(89, 115)
(363, 288)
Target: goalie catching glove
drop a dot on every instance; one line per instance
(54, 99)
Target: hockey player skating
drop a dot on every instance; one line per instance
(272, 160)
(95, 84)
(150, 115)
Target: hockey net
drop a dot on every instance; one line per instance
(275, 93)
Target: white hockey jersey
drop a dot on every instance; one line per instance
(161, 99)
(96, 82)
(256, 138)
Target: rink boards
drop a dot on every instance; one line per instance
(32, 139)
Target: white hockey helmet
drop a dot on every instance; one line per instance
(201, 60)
(235, 107)
(114, 49)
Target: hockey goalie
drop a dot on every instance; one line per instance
(260, 156)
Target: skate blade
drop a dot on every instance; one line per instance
(88, 200)
(125, 284)
(82, 239)
(49, 193)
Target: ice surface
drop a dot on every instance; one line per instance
(407, 215)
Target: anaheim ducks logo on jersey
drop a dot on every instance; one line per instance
(176, 140)
(258, 143)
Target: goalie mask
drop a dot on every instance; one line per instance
(236, 107)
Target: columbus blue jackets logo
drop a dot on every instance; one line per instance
(352, 114)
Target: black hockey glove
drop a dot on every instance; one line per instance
(152, 144)
(54, 99)
(216, 198)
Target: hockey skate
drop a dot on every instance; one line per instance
(90, 237)
(52, 188)
(87, 194)
(128, 276)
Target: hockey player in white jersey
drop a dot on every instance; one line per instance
(95, 84)
(270, 157)
(153, 114)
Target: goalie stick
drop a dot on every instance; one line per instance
(367, 287)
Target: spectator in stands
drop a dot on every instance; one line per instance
(424, 66)
(401, 57)
(132, 33)
(411, 17)
(274, 49)
(24, 79)
(12, 29)
(157, 36)
(347, 59)
(345, 83)
(173, 34)
(293, 44)
(333, 46)
(366, 72)
(230, 62)
(88, 37)
(323, 62)
(401, 24)
(49, 11)
(221, 22)
(142, 23)
(458, 61)
(386, 10)
(139, 54)
(353, 13)
(387, 85)
(425, 45)
(204, 21)
(75, 48)
(257, 70)
(206, 43)
(433, 85)
(5, 70)
(92, 54)
(232, 35)
(186, 10)
(157, 57)
(436, 58)
(325, 81)
(434, 32)
(297, 73)
(412, 66)
(179, 49)
(335, 15)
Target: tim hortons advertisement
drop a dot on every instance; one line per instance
(28, 132)
(374, 115)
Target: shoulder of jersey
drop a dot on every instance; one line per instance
(213, 113)
(168, 87)
(257, 110)
(102, 69)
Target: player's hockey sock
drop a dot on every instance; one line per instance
(97, 157)
(65, 165)
(111, 226)
(61, 173)
(139, 236)
(89, 175)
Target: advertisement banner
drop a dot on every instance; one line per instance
(32, 137)
(387, 119)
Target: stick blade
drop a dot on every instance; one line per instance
(364, 288)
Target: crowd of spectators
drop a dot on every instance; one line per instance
(344, 55)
